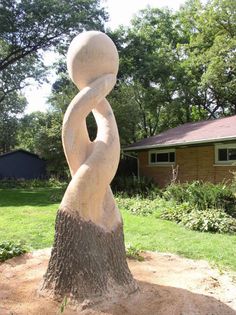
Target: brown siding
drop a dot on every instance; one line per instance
(195, 163)
(160, 174)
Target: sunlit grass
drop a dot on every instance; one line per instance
(29, 216)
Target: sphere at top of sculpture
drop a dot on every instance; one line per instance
(90, 55)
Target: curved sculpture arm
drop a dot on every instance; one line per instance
(75, 138)
(92, 164)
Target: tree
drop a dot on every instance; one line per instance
(173, 69)
(211, 53)
(9, 111)
(30, 126)
(177, 67)
(29, 27)
(126, 112)
(151, 69)
(41, 133)
(8, 132)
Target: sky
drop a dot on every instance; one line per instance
(120, 12)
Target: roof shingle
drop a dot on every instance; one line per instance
(197, 132)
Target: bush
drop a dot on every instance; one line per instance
(133, 186)
(142, 206)
(10, 249)
(31, 183)
(175, 212)
(203, 196)
(136, 206)
(211, 220)
(233, 184)
(133, 253)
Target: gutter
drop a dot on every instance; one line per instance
(153, 146)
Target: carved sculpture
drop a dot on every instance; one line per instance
(88, 257)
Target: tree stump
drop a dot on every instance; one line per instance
(87, 263)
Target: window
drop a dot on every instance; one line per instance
(225, 154)
(162, 157)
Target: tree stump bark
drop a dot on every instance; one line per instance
(87, 263)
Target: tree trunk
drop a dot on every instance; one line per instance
(87, 263)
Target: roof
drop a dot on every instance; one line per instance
(19, 150)
(222, 129)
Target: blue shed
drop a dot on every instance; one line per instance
(22, 164)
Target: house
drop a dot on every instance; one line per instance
(21, 164)
(204, 150)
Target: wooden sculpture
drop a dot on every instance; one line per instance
(88, 256)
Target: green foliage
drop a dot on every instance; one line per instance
(132, 185)
(63, 305)
(41, 133)
(123, 101)
(157, 206)
(192, 205)
(31, 184)
(137, 205)
(10, 108)
(30, 127)
(233, 184)
(204, 207)
(27, 28)
(203, 195)
(10, 249)
(210, 52)
(175, 67)
(210, 220)
(132, 252)
(175, 212)
(48, 144)
(148, 62)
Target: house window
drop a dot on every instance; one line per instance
(225, 154)
(162, 157)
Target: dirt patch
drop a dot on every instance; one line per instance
(169, 285)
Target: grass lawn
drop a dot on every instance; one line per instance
(29, 215)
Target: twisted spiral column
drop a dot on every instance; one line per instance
(88, 258)
(92, 164)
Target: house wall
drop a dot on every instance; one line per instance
(160, 174)
(21, 165)
(195, 163)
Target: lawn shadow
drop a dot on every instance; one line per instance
(34, 197)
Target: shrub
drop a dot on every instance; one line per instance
(202, 196)
(31, 183)
(233, 184)
(133, 253)
(142, 206)
(9, 249)
(136, 206)
(211, 220)
(133, 186)
(175, 212)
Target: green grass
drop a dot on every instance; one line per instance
(149, 233)
(29, 215)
